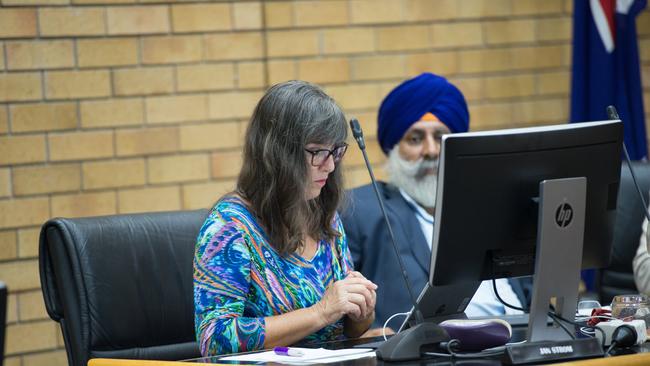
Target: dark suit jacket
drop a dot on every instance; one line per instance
(373, 254)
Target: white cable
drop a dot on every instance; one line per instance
(587, 331)
(383, 330)
(583, 318)
(590, 330)
(513, 343)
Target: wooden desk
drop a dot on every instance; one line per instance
(639, 359)
(120, 362)
(642, 358)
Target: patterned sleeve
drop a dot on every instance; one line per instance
(222, 263)
(342, 247)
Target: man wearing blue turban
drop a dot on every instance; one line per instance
(411, 122)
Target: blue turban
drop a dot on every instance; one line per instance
(408, 102)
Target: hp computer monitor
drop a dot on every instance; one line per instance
(486, 217)
(488, 200)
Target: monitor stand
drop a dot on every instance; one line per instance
(558, 260)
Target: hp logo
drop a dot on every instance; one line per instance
(564, 215)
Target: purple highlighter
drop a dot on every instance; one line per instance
(286, 351)
(477, 335)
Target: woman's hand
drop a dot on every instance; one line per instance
(353, 296)
(370, 298)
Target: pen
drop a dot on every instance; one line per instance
(286, 351)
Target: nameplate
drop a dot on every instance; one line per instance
(548, 351)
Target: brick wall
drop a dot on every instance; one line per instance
(116, 106)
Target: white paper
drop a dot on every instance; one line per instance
(309, 355)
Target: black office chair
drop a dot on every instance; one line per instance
(618, 278)
(121, 286)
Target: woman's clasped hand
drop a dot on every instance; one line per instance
(353, 296)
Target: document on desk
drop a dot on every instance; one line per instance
(309, 356)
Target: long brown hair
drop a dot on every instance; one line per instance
(274, 176)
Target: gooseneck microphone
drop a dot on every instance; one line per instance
(407, 344)
(357, 133)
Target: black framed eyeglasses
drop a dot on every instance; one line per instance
(320, 156)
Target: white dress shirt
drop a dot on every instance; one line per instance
(484, 302)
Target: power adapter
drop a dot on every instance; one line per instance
(610, 327)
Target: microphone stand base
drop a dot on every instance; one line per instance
(408, 344)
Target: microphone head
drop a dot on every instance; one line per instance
(612, 113)
(357, 133)
(356, 128)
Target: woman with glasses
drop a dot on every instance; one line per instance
(272, 265)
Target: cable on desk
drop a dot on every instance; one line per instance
(602, 332)
(502, 301)
(550, 313)
(556, 318)
(455, 344)
(383, 329)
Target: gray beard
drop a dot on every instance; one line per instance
(413, 177)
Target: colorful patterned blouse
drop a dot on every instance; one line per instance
(239, 279)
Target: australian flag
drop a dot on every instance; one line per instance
(606, 67)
